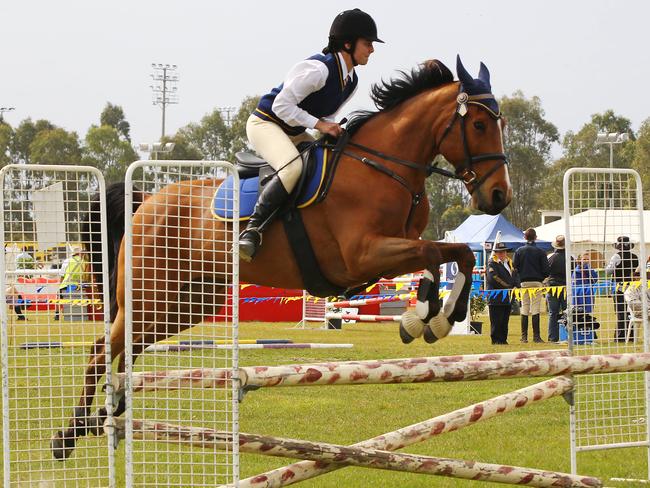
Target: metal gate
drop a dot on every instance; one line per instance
(55, 312)
(603, 212)
(174, 247)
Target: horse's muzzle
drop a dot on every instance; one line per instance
(494, 202)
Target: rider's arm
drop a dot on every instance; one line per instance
(303, 79)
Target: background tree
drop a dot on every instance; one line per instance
(113, 116)
(528, 138)
(238, 137)
(6, 137)
(24, 135)
(183, 150)
(641, 159)
(211, 136)
(443, 193)
(105, 150)
(608, 121)
(580, 150)
(55, 146)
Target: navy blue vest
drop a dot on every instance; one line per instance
(322, 103)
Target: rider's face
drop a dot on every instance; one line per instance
(362, 51)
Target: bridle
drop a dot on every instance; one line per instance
(464, 172)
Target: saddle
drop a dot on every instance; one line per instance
(319, 161)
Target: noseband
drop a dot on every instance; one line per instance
(464, 171)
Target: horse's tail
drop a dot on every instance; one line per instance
(91, 235)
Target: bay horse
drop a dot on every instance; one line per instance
(357, 235)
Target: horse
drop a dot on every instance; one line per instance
(357, 236)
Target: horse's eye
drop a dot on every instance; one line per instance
(478, 125)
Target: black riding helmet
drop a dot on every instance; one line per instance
(351, 25)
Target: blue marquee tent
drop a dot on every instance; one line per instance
(479, 229)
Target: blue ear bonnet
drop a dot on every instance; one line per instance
(477, 86)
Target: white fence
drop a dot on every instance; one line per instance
(47, 331)
(183, 267)
(603, 208)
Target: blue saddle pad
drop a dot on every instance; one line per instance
(248, 191)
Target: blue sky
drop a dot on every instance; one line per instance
(64, 60)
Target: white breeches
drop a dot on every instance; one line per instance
(277, 148)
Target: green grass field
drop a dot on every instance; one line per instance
(536, 436)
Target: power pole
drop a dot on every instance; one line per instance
(164, 88)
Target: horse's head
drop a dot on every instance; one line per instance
(473, 143)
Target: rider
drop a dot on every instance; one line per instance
(313, 91)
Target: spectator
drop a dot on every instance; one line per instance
(531, 265)
(556, 277)
(583, 279)
(634, 299)
(500, 275)
(15, 299)
(25, 260)
(621, 268)
(75, 276)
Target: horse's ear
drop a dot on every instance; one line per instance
(484, 75)
(462, 73)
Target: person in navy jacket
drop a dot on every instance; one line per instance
(312, 93)
(500, 275)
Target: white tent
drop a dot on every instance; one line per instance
(597, 229)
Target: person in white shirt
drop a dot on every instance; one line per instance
(634, 300)
(312, 93)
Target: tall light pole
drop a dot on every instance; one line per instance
(225, 114)
(155, 148)
(611, 139)
(3, 110)
(164, 88)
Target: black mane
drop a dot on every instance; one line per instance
(388, 94)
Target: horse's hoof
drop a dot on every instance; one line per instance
(95, 425)
(405, 336)
(428, 336)
(411, 327)
(437, 328)
(62, 446)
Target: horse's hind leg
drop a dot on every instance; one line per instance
(82, 422)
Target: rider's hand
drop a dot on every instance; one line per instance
(331, 128)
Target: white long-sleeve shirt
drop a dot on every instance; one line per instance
(303, 79)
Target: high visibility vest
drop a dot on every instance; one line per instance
(74, 273)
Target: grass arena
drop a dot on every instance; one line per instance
(44, 383)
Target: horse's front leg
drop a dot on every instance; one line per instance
(399, 256)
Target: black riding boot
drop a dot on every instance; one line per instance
(524, 328)
(272, 196)
(536, 335)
